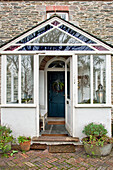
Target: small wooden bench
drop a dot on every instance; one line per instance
(43, 118)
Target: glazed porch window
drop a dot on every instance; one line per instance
(20, 79)
(12, 79)
(27, 78)
(91, 79)
(84, 91)
(99, 78)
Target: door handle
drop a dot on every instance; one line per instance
(67, 102)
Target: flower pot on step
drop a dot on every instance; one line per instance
(24, 142)
(98, 150)
(25, 146)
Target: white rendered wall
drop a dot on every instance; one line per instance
(22, 121)
(84, 116)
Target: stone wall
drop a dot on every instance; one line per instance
(96, 17)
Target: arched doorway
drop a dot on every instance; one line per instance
(56, 88)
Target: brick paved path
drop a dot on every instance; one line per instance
(35, 159)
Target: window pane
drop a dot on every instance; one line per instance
(60, 38)
(57, 64)
(55, 48)
(35, 34)
(12, 79)
(77, 34)
(84, 93)
(27, 79)
(99, 78)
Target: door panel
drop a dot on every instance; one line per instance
(56, 91)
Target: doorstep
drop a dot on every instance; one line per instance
(53, 140)
(56, 144)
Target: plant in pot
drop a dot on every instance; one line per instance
(5, 139)
(24, 142)
(97, 142)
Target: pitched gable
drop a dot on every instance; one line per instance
(56, 34)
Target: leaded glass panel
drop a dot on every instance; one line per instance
(55, 23)
(55, 48)
(57, 64)
(56, 36)
(101, 48)
(35, 34)
(11, 48)
(77, 35)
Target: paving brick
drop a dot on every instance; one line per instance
(29, 164)
(2, 163)
(77, 160)
(10, 163)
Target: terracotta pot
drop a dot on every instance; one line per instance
(98, 150)
(25, 146)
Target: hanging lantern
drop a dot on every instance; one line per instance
(100, 93)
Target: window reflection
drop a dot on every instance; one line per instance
(12, 79)
(84, 92)
(27, 79)
(57, 64)
(56, 36)
(99, 78)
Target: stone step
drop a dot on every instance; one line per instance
(57, 148)
(67, 148)
(55, 139)
(55, 144)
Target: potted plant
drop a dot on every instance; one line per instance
(5, 139)
(97, 142)
(24, 142)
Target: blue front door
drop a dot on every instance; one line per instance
(56, 91)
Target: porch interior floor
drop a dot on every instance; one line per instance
(55, 127)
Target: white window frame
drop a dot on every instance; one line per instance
(4, 83)
(108, 83)
(75, 80)
(49, 14)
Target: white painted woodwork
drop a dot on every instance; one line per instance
(41, 88)
(19, 81)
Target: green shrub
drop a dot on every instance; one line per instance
(22, 139)
(94, 130)
(5, 138)
(98, 141)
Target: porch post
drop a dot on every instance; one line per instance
(75, 92)
(36, 91)
(3, 78)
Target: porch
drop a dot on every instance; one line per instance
(68, 75)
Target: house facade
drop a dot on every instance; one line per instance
(62, 65)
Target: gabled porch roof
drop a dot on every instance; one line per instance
(56, 34)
